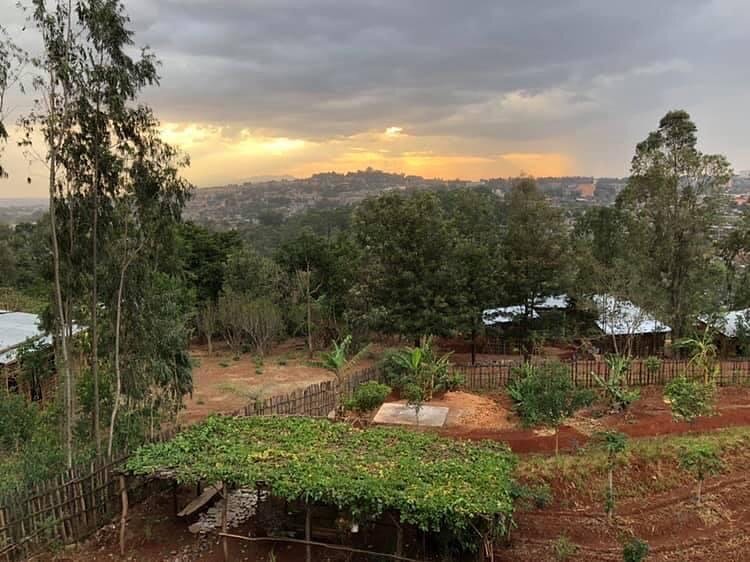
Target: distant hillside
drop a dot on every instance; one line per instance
(267, 202)
(272, 202)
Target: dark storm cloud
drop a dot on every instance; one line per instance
(318, 67)
(512, 71)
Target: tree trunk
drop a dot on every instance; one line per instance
(700, 488)
(124, 513)
(210, 348)
(64, 364)
(557, 440)
(94, 325)
(118, 376)
(309, 312)
(224, 522)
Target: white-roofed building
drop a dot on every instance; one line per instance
(18, 329)
(731, 328)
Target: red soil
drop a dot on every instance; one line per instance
(649, 416)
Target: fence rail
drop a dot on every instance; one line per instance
(71, 506)
(497, 375)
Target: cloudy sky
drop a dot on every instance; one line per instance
(448, 88)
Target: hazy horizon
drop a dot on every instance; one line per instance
(432, 88)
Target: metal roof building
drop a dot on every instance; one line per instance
(17, 328)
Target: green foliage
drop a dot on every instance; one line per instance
(701, 459)
(703, 354)
(535, 250)
(672, 204)
(420, 371)
(563, 548)
(688, 398)
(635, 550)
(652, 364)
(615, 387)
(545, 394)
(613, 443)
(18, 422)
(527, 496)
(432, 482)
(368, 396)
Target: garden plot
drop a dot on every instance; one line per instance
(405, 414)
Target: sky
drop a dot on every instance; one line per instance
(441, 88)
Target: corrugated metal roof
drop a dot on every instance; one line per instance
(616, 317)
(728, 323)
(620, 317)
(15, 329)
(504, 314)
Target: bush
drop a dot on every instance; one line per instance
(368, 396)
(18, 421)
(545, 394)
(420, 366)
(689, 398)
(527, 496)
(635, 550)
(564, 548)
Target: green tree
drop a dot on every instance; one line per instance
(536, 258)
(253, 275)
(701, 459)
(673, 204)
(407, 246)
(476, 217)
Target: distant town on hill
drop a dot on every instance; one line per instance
(266, 201)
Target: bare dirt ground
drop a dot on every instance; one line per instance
(223, 384)
(676, 528)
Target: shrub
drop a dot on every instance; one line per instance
(689, 398)
(564, 548)
(538, 496)
(545, 395)
(635, 550)
(420, 366)
(369, 396)
(701, 459)
(652, 364)
(18, 421)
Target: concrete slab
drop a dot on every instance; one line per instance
(402, 414)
